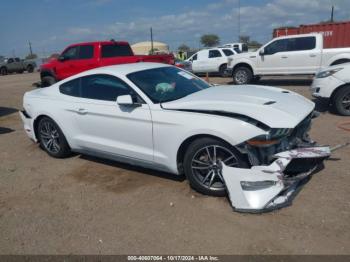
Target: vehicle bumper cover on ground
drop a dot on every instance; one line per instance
(266, 188)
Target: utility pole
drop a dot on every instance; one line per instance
(151, 41)
(239, 20)
(332, 14)
(30, 48)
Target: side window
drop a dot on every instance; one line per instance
(277, 46)
(10, 60)
(227, 52)
(194, 57)
(301, 43)
(86, 52)
(214, 53)
(71, 53)
(71, 88)
(115, 50)
(103, 87)
(17, 59)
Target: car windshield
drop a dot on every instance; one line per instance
(167, 83)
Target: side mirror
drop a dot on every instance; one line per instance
(262, 52)
(62, 58)
(125, 100)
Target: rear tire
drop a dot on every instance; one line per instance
(222, 70)
(52, 139)
(242, 75)
(203, 171)
(341, 101)
(47, 81)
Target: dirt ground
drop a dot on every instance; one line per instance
(85, 205)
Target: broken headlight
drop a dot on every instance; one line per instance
(257, 185)
(271, 138)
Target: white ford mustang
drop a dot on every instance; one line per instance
(161, 117)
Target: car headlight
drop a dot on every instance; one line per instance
(327, 73)
(257, 185)
(271, 138)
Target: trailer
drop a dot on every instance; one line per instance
(335, 35)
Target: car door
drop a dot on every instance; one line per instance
(195, 63)
(274, 59)
(198, 64)
(11, 65)
(109, 128)
(302, 56)
(214, 60)
(68, 64)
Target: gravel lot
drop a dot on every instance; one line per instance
(85, 205)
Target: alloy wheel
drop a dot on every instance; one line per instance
(241, 77)
(346, 102)
(207, 168)
(50, 137)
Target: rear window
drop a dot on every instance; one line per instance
(115, 50)
(71, 88)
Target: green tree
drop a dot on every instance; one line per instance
(31, 56)
(184, 48)
(210, 40)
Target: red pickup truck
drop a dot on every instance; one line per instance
(84, 56)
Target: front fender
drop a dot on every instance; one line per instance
(243, 61)
(337, 57)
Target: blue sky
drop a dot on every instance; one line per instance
(53, 24)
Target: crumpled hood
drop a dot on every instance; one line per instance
(275, 107)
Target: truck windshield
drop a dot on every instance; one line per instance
(167, 83)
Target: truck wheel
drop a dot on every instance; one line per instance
(30, 69)
(47, 81)
(341, 101)
(242, 75)
(3, 71)
(222, 69)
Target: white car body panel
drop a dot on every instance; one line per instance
(326, 86)
(250, 100)
(291, 62)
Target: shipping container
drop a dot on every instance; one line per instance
(335, 35)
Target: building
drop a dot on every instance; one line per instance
(144, 48)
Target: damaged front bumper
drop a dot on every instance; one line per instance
(266, 188)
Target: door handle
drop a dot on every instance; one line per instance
(81, 111)
(312, 55)
(284, 56)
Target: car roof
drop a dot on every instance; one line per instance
(119, 70)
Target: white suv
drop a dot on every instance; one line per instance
(213, 60)
(333, 83)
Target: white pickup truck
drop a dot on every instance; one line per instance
(288, 55)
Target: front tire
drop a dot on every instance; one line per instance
(47, 81)
(202, 165)
(242, 75)
(52, 139)
(341, 101)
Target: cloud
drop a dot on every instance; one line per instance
(221, 18)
